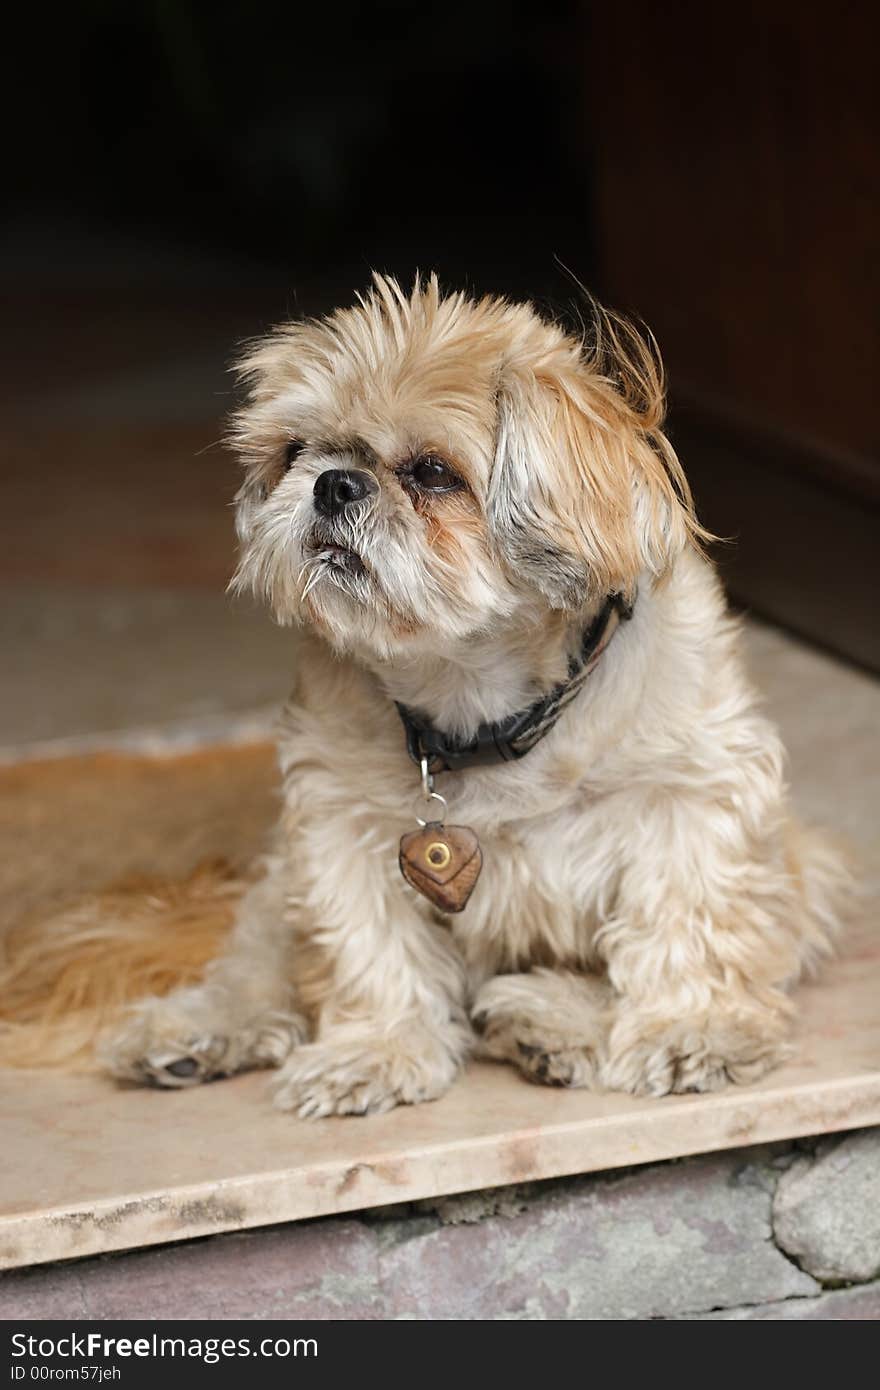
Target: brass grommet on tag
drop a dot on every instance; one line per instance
(438, 855)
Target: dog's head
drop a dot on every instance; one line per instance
(422, 468)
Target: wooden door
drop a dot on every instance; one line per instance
(735, 151)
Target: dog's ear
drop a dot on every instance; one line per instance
(586, 492)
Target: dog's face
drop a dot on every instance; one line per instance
(421, 469)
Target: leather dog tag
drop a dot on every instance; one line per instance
(443, 862)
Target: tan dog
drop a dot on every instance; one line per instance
(461, 505)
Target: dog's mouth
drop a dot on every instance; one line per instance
(339, 559)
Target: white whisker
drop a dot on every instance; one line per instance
(316, 575)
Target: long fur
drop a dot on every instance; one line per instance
(66, 978)
(647, 900)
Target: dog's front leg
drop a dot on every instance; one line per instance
(704, 937)
(383, 988)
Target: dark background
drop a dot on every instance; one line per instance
(180, 175)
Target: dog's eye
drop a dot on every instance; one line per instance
(432, 475)
(292, 451)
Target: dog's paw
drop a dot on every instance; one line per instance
(330, 1078)
(556, 1066)
(659, 1059)
(173, 1063)
(538, 1052)
(548, 1025)
(185, 1039)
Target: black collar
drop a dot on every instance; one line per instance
(514, 736)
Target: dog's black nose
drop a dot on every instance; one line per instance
(336, 487)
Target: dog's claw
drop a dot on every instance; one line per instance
(186, 1066)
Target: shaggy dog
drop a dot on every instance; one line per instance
(479, 526)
